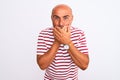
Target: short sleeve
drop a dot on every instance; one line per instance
(41, 45)
(82, 43)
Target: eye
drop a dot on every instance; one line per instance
(55, 17)
(66, 17)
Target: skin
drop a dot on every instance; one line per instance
(62, 18)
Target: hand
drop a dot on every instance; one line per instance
(62, 35)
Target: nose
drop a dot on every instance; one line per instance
(61, 23)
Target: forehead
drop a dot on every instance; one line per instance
(61, 10)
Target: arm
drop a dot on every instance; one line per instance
(80, 59)
(45, 60)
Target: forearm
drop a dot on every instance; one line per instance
(45, 60)
(80, 59)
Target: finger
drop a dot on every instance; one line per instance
(65, 29)
(56, 32)
(57, 37)
(58, 29)
(68, 29)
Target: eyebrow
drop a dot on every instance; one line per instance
(55, 16)
(66, 16)
(63, 16)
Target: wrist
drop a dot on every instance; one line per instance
(67, 46)
(56, 43)
(70, 42)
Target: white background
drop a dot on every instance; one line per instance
(22, 20)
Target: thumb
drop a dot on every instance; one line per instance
(68, 29)
(65, 29)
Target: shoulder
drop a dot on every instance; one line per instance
(77, 30)
(46, 31)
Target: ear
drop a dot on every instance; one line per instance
(52, 21)
(71, 20)
(51, 17)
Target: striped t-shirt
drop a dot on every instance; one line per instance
(62, 67)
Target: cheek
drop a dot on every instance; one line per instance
(55, 22)
(68, 23)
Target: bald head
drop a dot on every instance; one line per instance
(62, 7)
(62, 15)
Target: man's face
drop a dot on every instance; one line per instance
(62, 16)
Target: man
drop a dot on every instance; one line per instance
(62, 49)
